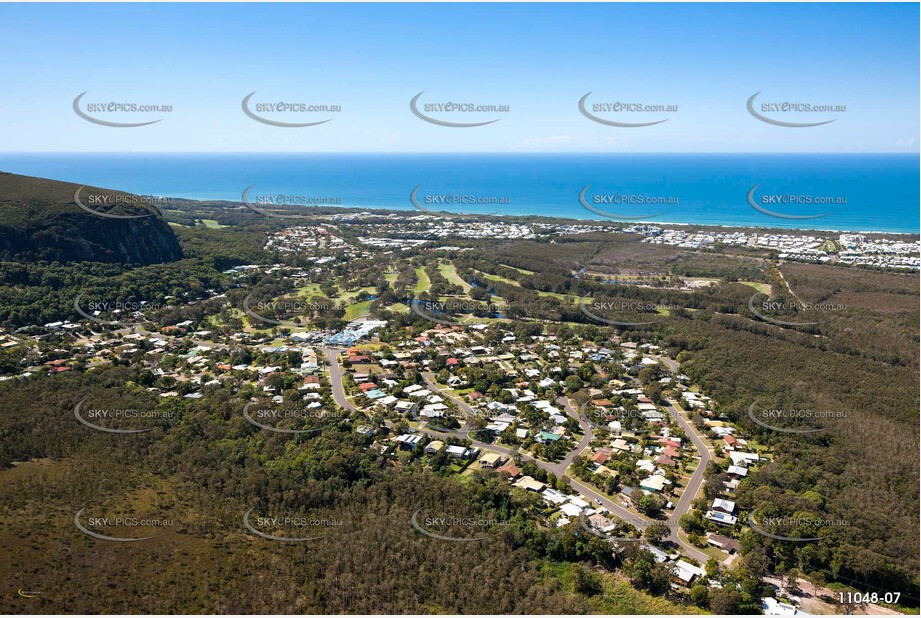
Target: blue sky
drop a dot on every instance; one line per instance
(539, 59)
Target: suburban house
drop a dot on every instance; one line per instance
(724, 519)
(491, 460)
(602, 456)
(460, 452)
(408, 441)
(654, 483)
(730, 546)
(529, 483)
(685, 573)
(434, 446)
(405, 407)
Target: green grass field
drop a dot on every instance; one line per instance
(449, 272)
(423, 283)
(357, 310)
(570, 297)
(499, 278)
(521, 270)
(764, 288)
(346, 296)
(310, 290)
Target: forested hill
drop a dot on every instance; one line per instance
(48, 220)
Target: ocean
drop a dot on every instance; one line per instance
(854, 192)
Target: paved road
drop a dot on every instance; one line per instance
(671, 364)
(697, 477)
(586, 435)
(335, 377)
(429, 379)
(694, 483)
(335, 380)
(558, 469)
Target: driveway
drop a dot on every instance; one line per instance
(558, 469)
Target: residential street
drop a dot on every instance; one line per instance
(694, 483)
(697, 477)
(558, 469)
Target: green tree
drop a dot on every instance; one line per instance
(585, 581)
(723, 601)
(656, 532)
(700, 595)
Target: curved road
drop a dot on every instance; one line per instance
(558, 469)
(586, 435)
(694, 483)
(697, 477)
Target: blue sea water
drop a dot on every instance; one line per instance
(881, 190)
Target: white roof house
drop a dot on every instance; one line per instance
(773, 607)
(571, 510)
(656, 482)
(687, 572)
(721, 518)
(727, 506)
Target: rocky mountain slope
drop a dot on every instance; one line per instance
(48, 220)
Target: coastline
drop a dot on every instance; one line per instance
(547, 218)
(880, 189)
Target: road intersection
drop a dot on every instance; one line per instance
(560, 468)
